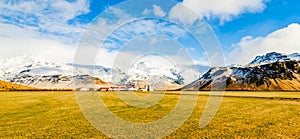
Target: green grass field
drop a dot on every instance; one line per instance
(241, 115)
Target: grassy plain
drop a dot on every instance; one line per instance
(241, 115)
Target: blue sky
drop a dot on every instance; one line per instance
(277, 14)
(53, 28)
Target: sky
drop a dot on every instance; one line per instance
(60, 30)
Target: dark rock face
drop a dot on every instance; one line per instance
(250, 77)
(262, 74)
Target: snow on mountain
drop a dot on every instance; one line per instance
(144, 70)
(272, 71)
(274, 57)
(157, 70)
(159, 74)
(294, 56)
(37, 72)
(216, 76)
(32, 65)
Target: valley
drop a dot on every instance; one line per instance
(258, 100)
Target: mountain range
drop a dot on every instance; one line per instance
(272, 71)
(274, 57)
(35, 72)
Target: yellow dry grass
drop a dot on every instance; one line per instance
(274, 85)
(6, 86)
(57, 115)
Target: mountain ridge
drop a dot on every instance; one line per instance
(36, 72)
(272, 71)
(273, 57)
(262, 74)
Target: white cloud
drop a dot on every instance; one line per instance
(40, 28)
(146, 12)
(70, 10)
(129, 31)
(285, 40)
(158, 11)
(183, 14)
(47, 10)
(101, 28)
(18, 41)
(46, 17)
(135, 29)
(225, 10)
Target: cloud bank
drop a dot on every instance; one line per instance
(19, 41)
(51, 17)
(285, 40)
(224, 10)
(40, 28)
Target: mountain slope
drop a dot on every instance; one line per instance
(283, 74)
(35, 72)
(6, 86)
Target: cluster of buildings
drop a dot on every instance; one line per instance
(148, 88)
(127, 88)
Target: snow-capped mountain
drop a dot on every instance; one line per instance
(273, 71)
(294, 56)
(161, 72)
(36, 72)
(32, 66)
(274, 56)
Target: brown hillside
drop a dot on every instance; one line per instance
(277, 76)
(273, 85)
(6, 86)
